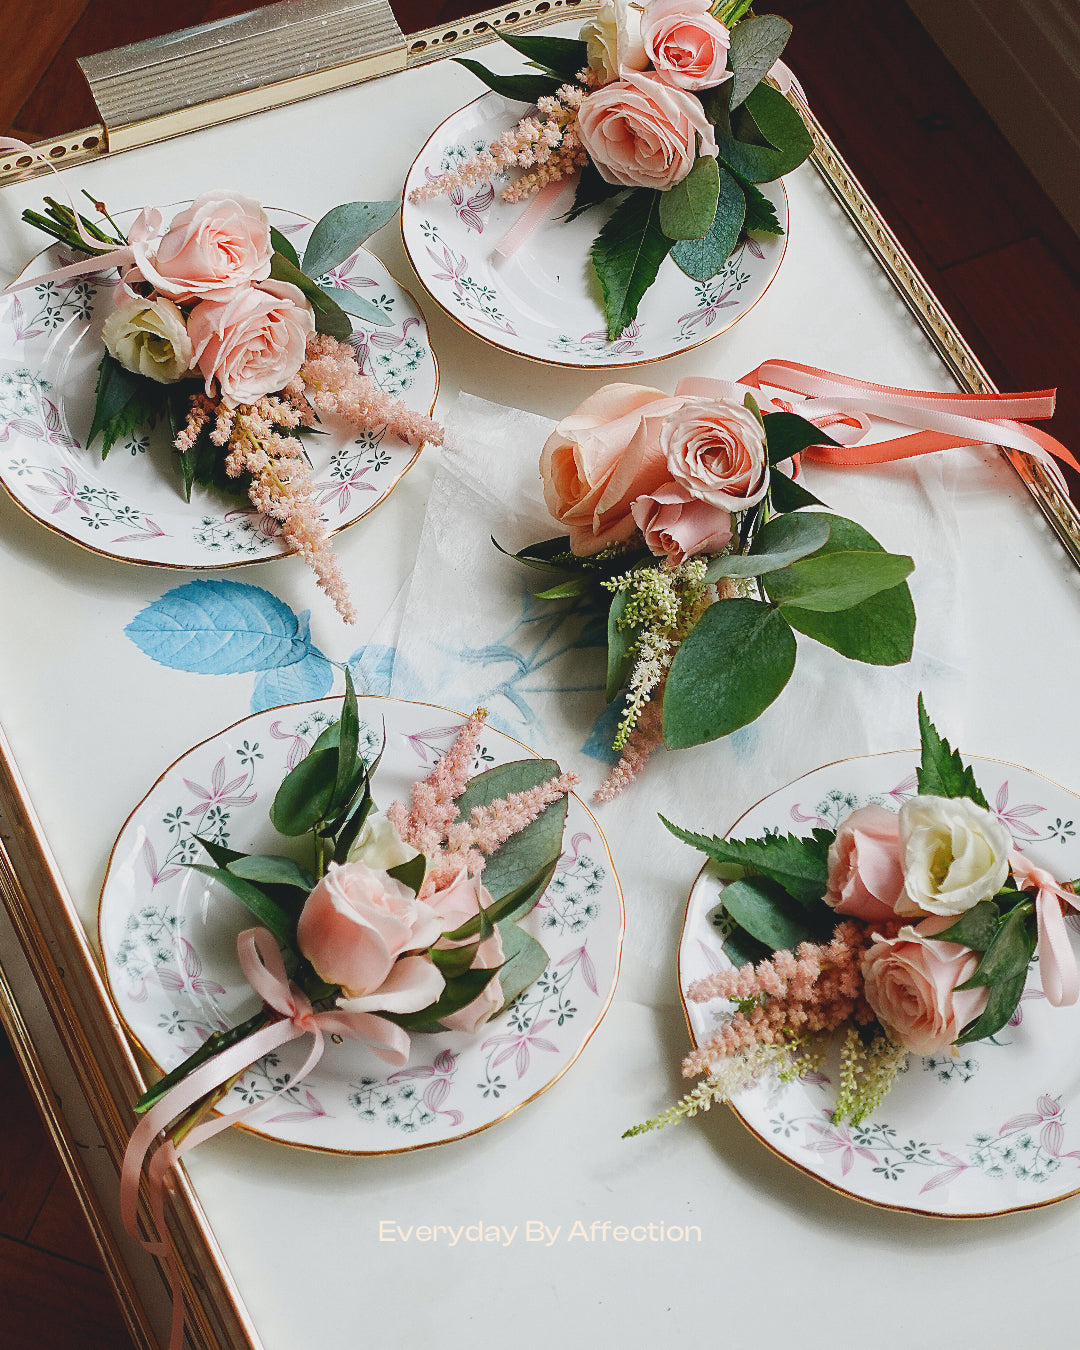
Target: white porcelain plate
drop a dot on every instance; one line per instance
(131, 506)
(991, 1128)
(544, 301)
(168, 939)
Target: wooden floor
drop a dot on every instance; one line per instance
(983, 233)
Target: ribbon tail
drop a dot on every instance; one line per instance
(1057, 961)
(531, 218)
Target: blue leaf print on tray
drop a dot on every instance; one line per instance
(220, 628)
(310, 678)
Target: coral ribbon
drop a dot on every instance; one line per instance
(100, 262)
(264, 968)
(944, 421)
(1057, 961)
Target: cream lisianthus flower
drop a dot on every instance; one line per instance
(614, 40)
(379, 845)
(149, 337)
(953, 854)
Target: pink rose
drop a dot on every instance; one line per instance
(716, 450)
(215, 247)
(640, 132)
(356, 929)
(865, 876)
(456, 903)
(600, 458)
(687, 46)
(910, 982)
(676, 525)
(254, 343)
(458, 900)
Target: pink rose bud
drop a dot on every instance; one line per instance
(865, 876)
(676, 526)
(640, 132)
(254, 343)
(687, 46)
(716, 450)
(357, 929)
(213, 248)
(600, 458)
(911, 984)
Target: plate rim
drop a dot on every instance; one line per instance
(548, 361)
(269, 557)
(966, 1216)
(323, 1148)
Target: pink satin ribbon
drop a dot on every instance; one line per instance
(944, 421)
(1057, 961)
(532, 217)
(100, 262)
(264, 968)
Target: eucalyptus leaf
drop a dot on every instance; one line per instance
(765, 910)
(732, 665)
(757, 43)
(829, 582)
(358, 306)
(777, 122)
(688, 208)
(524, 961)
(703, 258)
(330, 318)
(626, 256)
(780, 541)
(340, 233)
(304, 797)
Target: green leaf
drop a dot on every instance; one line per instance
(1000, 1006)
(268, 912)
(269, 870)
(626, 255)
(788, 495)
(566, 590)
(304, 797)
(524, 961)
(833, 581)
(454, 961)
(739, 947)
(620, 646)
(942, 772)
(761, 217)
(330, 318)
(789, 434)
(550, 555)
(881, 630)
(526, 855)
(124, 402)
(799, 864)
(340, 233)
(521, 88)
(348, 759)
(591, 191)
(735, 661)
(765, 910)
(1009, 955)
(283, 245)
(688, 209)
(703, 258)
(757, 43)
(221, 855)
(355, 304)
(511, 907)
(975, 928)
(564, 57)
(780, 541)
(458, 994)
(410, 873)
(767, 113)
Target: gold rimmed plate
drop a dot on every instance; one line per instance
(543, 302)
(987, 1129)
(168, 942)
(131, 505)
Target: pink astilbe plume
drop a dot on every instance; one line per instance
(433, 803)
(646, 737)
(491, 825)
(815, 988)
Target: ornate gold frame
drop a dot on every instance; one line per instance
(51, 936)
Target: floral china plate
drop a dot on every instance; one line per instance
(131, 506)
(543, 302)
(990, 1128)
(168, 942)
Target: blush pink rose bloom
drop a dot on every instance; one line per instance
(865, 876)
(213, 248)
(600, 458)
(358, 929)
(687, 46)
(676, 526)
(252, 344)
(640, 132)
(716, 450)
(910, 982)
